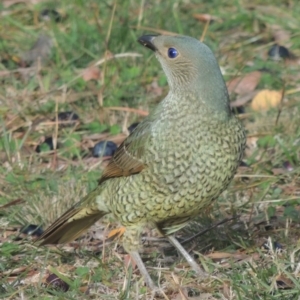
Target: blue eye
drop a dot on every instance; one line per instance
(172, 52)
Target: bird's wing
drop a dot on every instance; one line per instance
(128, 159)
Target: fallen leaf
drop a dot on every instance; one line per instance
(91, 73)
(266, 99)
(15, 272)
(224, 255)
(244, 84)
(280, 35)
(84, 289)
(227, 290)
(118, 231)
(243, 99)
(283, 282)
(205, 18)
(32, 277)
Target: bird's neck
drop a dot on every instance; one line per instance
(205, 90)
(213, 101)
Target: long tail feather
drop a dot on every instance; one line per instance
(70, 225)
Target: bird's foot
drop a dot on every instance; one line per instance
(187, 256)
(137, 258)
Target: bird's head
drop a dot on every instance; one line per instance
(190, 66)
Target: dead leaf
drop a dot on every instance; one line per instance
(244, 84)
(204, 18)
(8, 3)
(226, 290)
(91, 73)
(16, 271)
(84, 289)
(243, 99)
(225, 255)
(32, 277)
(284, 282)
(266, 99)
(118, 232)
(280, 35)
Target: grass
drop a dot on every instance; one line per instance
(253, 256)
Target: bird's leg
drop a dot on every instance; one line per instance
(137, 258)
(187, 256)
(131, 243)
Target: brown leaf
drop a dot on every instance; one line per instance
(226, 290)
(244, 84)
(280, 35)
(284, 282)
(116, 232)
(84, 289)
(266, 99)
(224, 255)
(204, 18)
(16, 271)
(243, 99)
(91, 73)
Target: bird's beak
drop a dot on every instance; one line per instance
(147, 41)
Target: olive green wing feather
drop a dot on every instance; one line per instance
(127, 160)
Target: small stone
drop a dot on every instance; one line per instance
(104, 148)
(47, 145)
(276, 246)
(278, 52)
(238, 110)
(67, 118)
(56, 283)
(288, 166)
(243, 164)
(32, 229)
(50, 14)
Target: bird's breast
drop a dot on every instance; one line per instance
(192, 160)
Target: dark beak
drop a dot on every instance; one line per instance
(147, 41)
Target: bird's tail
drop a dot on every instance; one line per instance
(72, 223)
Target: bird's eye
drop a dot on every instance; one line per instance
(172, 52)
